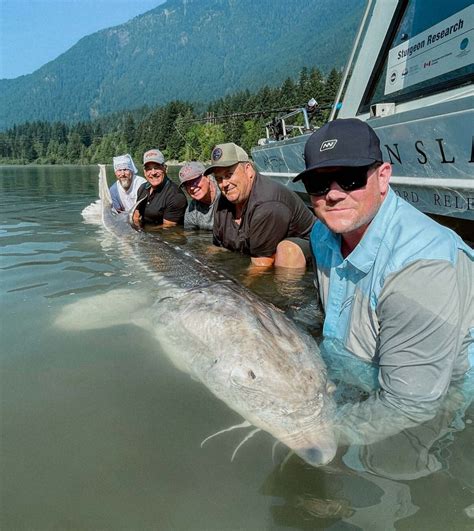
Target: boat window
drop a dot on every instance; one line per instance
(431, 49)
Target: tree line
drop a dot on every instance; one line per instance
(182, 130)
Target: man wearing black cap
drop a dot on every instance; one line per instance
(256, 216)
(396, 287)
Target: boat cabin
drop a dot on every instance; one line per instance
(410, 75)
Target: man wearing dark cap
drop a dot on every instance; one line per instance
(161, 200)
(396, 287)
(204, 195)
(256, 216)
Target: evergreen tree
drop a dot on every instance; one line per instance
(331, 86)
(316, 85)
(173, 128)
(130, 133)
(52, 152)
(252, 132)
(73, 152)
(288, 94)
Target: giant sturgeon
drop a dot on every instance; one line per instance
(245, 351)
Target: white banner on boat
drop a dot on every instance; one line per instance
(443, 48)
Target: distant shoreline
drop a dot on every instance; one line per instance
(171, 164)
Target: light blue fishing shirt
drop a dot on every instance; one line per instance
(402, 301)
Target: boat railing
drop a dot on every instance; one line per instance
(279, 128)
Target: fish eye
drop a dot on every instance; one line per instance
(244, 377)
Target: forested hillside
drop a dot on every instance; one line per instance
(180, 129)
(191, 50)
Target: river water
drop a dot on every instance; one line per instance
(100, 431)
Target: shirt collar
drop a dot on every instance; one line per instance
(363, 256)
(328, 238)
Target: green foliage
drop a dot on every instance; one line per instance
(252, 131)
(200, 139)
(177, 128)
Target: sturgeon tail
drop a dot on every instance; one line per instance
(104, 192)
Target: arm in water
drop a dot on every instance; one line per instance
(419, 344)
(134, 217)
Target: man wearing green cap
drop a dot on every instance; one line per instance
(255, 215)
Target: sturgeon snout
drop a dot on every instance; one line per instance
(319, 455)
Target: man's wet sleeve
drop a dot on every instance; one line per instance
(419, 340)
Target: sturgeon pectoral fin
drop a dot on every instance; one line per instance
(121, 306)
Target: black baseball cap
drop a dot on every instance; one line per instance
(344, 142)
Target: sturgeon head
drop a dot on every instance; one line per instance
(251, 356)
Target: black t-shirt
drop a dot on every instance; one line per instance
(166, 202)
(272, 213)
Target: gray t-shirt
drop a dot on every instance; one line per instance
(198, 215)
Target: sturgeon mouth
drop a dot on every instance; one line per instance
(319, 455)
(316, 442)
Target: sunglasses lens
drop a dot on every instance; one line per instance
(193, 182)
(349, 179)
(316, 185)
(353, 180)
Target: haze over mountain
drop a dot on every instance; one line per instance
(194, 50)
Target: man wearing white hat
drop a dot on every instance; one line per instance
(124, 190)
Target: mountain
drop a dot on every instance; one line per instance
(193, 50)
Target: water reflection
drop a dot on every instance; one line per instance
(319, 499)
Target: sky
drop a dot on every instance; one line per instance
(34, 32)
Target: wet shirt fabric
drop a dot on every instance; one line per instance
(198, 215)
(166, 202)
(272, 213)
(403, 301)
(124, 200)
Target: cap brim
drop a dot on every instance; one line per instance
(157, 162)
(227, 164)
(333, 163)
(186, 181)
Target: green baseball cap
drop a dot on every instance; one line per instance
(225, 155)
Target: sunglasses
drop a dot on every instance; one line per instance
(349, 178)
(193, 182)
